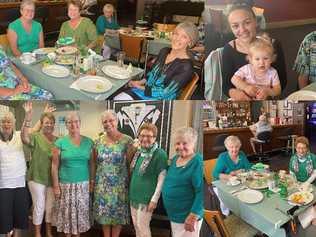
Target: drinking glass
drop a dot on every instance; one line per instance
(120, 58)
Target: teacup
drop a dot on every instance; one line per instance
(27, 58)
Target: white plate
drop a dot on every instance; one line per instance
(65, 60)
(56, 71)
(307, 198)
(94, 84)
(257, 184)
(116, 72)
(250, 196)
(67, 50)
(302, 95)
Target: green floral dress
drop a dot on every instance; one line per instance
(8, 79)
(110, 205)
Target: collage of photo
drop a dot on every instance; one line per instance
(157, 118)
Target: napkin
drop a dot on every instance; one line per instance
(307, 216)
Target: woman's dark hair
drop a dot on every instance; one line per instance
(250, 3)
(241, 6)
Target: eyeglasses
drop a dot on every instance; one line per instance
(146, 136)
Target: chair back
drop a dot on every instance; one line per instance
(132, 46)
(164, 27)
(213, 79)
(4, 42)
(189, 88)
(264, 136)
(216, 223)
(209, 166)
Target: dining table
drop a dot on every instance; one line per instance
(268, 216)
(64, 89)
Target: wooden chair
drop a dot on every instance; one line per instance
(4, 42)
(164, 27)
(231, 226)
(189, 88)
(133, 48)
(209, 166)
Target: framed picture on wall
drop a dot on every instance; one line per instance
(133, 114)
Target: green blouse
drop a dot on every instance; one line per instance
(40, 164)
(84, 34)
(26, 41)
(303, 168)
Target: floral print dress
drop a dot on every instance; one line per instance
(110, 205)
(8, 79)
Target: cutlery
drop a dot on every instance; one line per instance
(238, 190)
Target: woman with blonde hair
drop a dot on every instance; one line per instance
(81, 29)
(171, 71)
(73, 179)
(14, 196)
(25, 34)
(110, 207)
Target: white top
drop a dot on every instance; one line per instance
(270, 78)
(12, 163)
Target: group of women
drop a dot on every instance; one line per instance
(234, 161)
(75, 180)
(169, 74)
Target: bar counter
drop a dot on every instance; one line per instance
(244, 135)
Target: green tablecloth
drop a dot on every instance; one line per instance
(263, 216)
(60, 87)
(154, 46)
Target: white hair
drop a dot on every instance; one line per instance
(27, 3)
(107, 113)
(232, 140)
(71, 115)
(8, 115)
(187, 132)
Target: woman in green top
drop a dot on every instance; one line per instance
(182, 191)
(303, 162)
(110, 207)
(25, 34)
(148, 171)
(107, 23)
(71, 160)
(38, 175)
(80, 28)
(303, 166)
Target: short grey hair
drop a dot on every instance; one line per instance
(71, 115)
(234, 140)
(191, 30)
(107, 113)
(27, 3)
(8, 115)
(187, 132)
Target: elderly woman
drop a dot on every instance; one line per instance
(303, 167)
(71, 160)
(25, 34)
(14, 197)
(111, 189)
(230, 163)
(80, 28)
(39, 175)
(171, 71)
(182, 191)
(14, 85)
(242, 21)
(263, 125)
(148, 171)
(107, 21)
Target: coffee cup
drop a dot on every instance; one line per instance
(27, 58)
